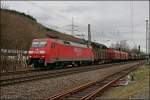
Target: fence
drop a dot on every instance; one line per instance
(13, 60)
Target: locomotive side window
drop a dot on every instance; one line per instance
(66, 42)
(53, 45)
(42, 44)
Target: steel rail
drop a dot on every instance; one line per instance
(107, 85)
(30, 71)
(93, 88)
(34, 70)
(53, 73)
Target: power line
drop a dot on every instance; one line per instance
(46, 14)
(132, 22)
(60, 16)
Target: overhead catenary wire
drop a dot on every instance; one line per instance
(56, 27)
(47, 14)
(60, 16)
(132, 22)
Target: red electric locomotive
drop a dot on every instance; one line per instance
(57, 52)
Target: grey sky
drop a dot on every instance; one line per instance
(110, 21)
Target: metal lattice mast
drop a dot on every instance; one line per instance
(72, 27)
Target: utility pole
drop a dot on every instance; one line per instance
(72, 27)
(89, 35)
(146, 37)
(102, 35)
(139, 48)
(149, 42)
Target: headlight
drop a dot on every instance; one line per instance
(30, 52)
(42, 52)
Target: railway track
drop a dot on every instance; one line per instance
(90, 90)
(35, 75)
(5, 74)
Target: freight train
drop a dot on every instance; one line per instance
(55, 52)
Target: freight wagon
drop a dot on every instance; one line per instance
(100, 52)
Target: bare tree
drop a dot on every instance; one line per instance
(122, 45)
(4, 6)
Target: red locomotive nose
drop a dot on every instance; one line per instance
(38, 49)
(37, 53)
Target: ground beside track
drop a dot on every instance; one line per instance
(135, 89)
(43, 88)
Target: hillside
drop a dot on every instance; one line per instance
(18, 30)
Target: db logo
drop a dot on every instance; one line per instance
(77, 49)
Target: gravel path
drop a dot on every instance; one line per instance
(46, 87)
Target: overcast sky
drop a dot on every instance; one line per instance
(110, 21)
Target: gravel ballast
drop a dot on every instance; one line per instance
(41, 89)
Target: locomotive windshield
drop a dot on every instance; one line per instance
(39, 44)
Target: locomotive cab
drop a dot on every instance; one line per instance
(37, 52)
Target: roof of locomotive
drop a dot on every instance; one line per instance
(62, 42)
(41, 39)
(65, 37)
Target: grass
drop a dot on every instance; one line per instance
(139, 85)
